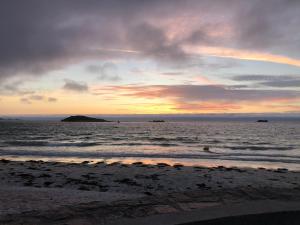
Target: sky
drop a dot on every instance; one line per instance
(149, 57)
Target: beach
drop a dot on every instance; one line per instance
(95, 192)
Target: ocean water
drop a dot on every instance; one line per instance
(240, 142)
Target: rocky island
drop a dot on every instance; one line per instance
(157, 121)
(262, 121)
(83, 119)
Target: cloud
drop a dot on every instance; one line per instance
(33, 41)
(36, 97)
(279, 81)
(41, 36)
(14, 88)
(193, 93)
(107, 71)
(152, 41)
(268, 25)
(220, 64)
(173, 73)
(203, 106)
(25, 100)
(71, 85)
(51, 99)
(242, 54)
(30, 99)
(207, 98)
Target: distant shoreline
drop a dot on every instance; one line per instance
(167, 117)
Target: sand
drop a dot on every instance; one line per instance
(38, 192)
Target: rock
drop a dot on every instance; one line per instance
(177, 166)
(206, 148)
(47, 183)
(128, 182)
(44, 175)
(83, 188)
(4, 161)
(162, 164)
(281, 170)
(202, 185)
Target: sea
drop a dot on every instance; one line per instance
(188, 140)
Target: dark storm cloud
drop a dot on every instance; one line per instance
(38, 36)
(71, 85)
(279, 81)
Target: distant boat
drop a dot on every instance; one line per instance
(262, 121)
(83, 119)
(157, 121)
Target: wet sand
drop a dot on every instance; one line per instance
(37, 192)
(278, 218)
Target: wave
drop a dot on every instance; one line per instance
(184, 140)
(81, 144)
(159, 139)
(260, 148)
(143, 144)
(26, 143)
(49, 144)
(236, 157)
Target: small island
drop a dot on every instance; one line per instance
(83, 119)
(262, 121)
(157, 121)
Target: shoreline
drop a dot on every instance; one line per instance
(189, 162)
(34, 189)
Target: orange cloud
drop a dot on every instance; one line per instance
(241, 54)
(203, 98)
